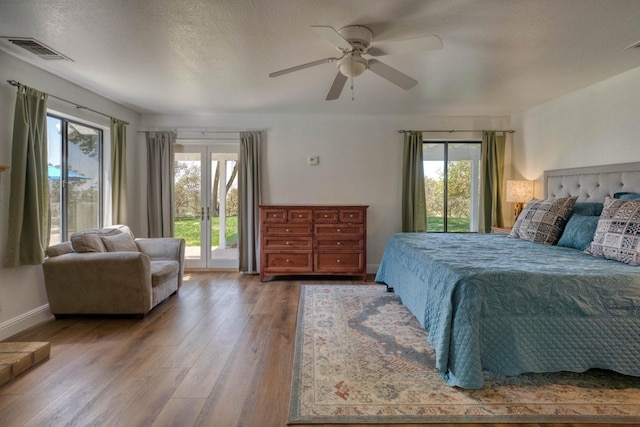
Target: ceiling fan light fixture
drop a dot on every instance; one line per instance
(352, 65)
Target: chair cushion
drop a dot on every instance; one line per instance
(59, 249)
(161, 271)
(122, 242)
(87, 241)
(90, 240)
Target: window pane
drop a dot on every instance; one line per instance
(433, 156)
(462, 187)
(54, 146)
(83, 178)
(452, 185)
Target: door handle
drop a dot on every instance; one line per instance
(202, 214)
(208, 214)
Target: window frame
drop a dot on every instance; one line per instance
(64, 161)
(445, 161)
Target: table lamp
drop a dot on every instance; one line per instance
(519, 192)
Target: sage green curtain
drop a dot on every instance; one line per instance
(414, 205)
(160, 183)
(118, 171)
(491, 177)
(249, 199)
(28, 231)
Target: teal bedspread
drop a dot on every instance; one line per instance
(511, 306)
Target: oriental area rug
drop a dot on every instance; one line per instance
(361, 357)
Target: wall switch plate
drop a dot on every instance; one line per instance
(313, 160)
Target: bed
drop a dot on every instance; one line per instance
(492, 302)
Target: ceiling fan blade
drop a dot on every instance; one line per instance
(336, 87)
(391, 74)
(404, 47)
(334, 37)
(301, 67)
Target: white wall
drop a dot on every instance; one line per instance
(23, 300)
(360, 159)
(597, 125)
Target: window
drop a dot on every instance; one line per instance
(75, 177)
(452, 185)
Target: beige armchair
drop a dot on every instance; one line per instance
(107, 271)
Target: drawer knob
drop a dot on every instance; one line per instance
(338, 261)
(300, 216)
(287, 230)
(338, 230)
(338, 243)
(351, 216)
(326, 216)
(274, 215)
(286, 243)
(287, 261)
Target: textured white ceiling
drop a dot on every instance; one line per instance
(191, 57)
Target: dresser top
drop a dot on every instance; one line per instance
(315, 206)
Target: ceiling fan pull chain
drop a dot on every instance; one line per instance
(352, 94)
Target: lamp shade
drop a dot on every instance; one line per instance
(519, 191)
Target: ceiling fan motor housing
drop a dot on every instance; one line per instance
(358, 36)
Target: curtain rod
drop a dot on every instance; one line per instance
(78, 106)
(201, 132)
(458, 130)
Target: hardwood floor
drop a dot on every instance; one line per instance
(218, 354)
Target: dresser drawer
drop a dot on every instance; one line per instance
(351, 215)
(300, 215)
(339, 230)
(336, 262)
(333, 243)
(279, 243)
(326, 215)
(287, 262)
(287, 229)
(274, 215)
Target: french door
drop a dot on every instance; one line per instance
(206, 204)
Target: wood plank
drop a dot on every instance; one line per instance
(218, 353)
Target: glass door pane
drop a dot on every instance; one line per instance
(206, 207)
(83, 178)
(189, 207)
(452, 185)
(434, 183)
(54, 147)
(224, 210)
(463, 186)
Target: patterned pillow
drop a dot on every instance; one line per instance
(618, 234)
(542, 221)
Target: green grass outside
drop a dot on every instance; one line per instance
(455, 225)
(189, 229)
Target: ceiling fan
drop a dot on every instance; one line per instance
(353, 42)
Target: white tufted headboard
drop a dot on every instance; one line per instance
(594, 183)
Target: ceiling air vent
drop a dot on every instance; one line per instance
(37, 48)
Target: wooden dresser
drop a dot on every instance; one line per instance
(321, 240)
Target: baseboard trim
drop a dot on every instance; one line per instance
(372, 268)
(24, 321)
